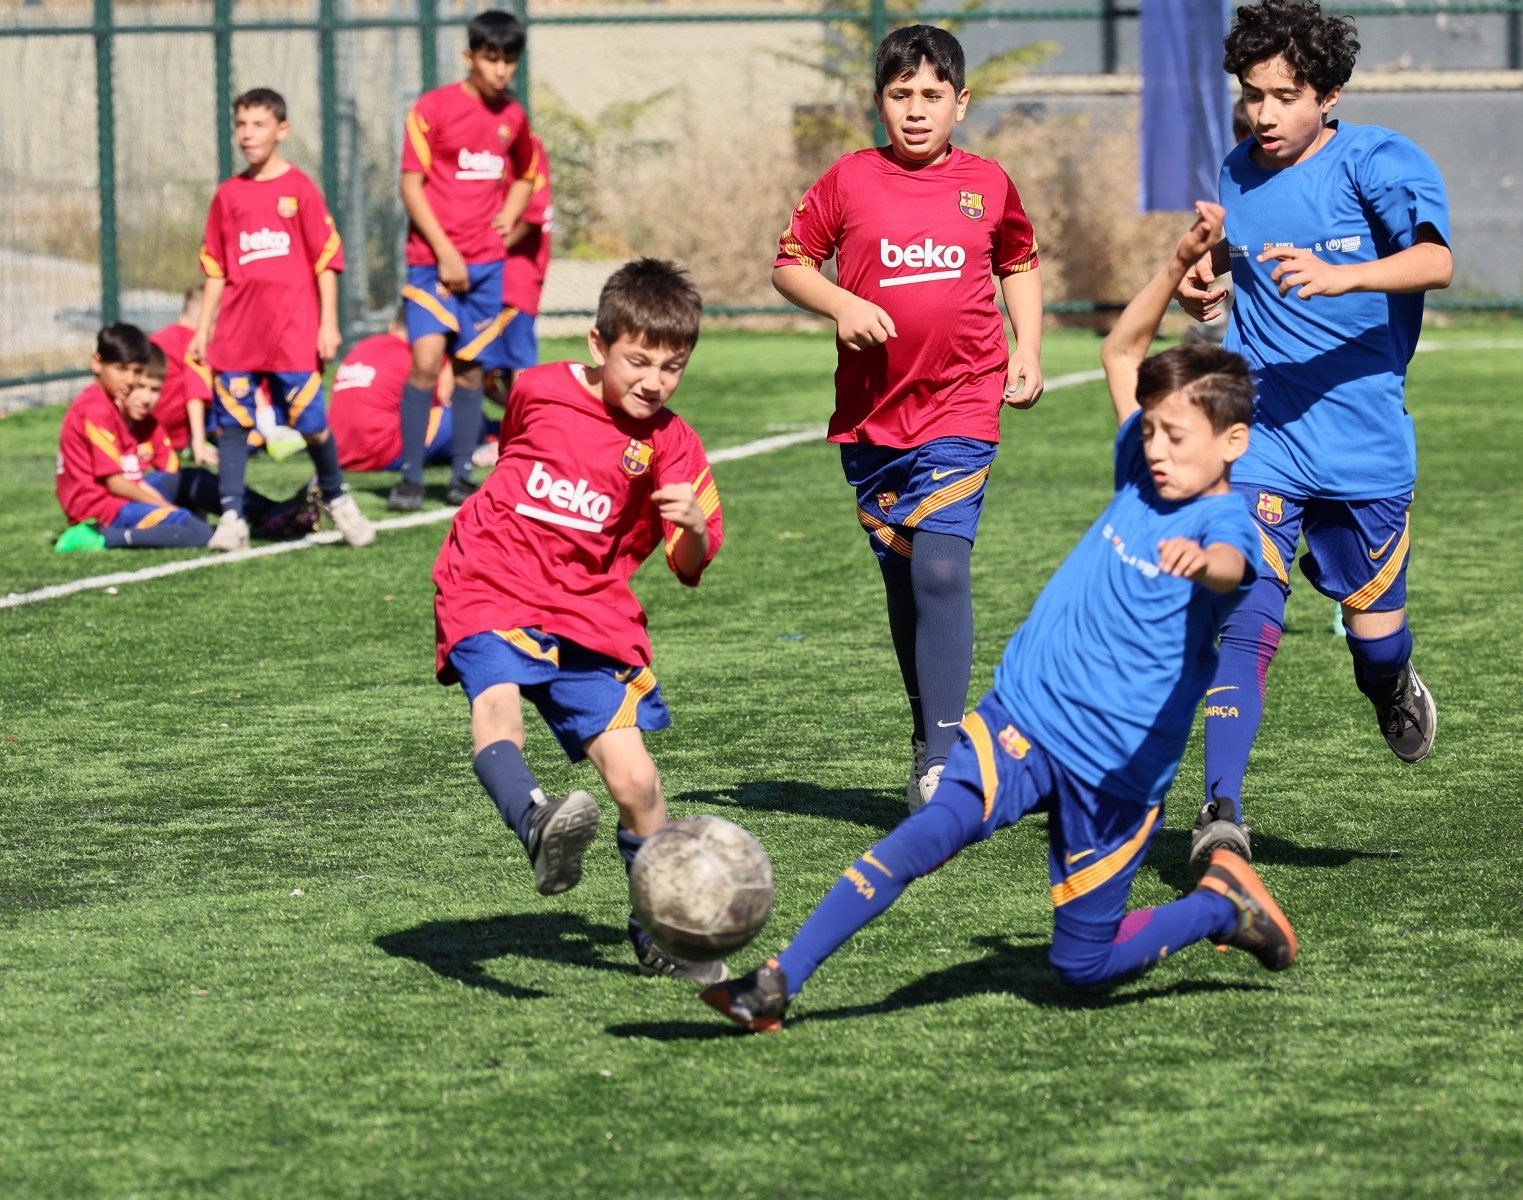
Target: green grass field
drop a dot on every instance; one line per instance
(262, 935)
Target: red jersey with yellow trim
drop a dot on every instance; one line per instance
(467, 152)
(365, 403)
(93, 444)
(155, 451)
(922, 244)
(184, 380)
(561, 524)
(270, 239)
(528, 260)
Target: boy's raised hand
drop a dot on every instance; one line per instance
(1195, 293)
(861, 323)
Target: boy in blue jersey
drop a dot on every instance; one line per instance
(1094, 699)
(1333, 234)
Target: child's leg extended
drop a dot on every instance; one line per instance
(159, 526)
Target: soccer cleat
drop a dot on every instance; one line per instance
(1408, 717)
(81, 538)
(929, 782)
(232, 533)
(281, 442)
(1262, 929)
(655, 961)
(559, 833)
(459, 491)
(917, 769)
(756, 1001)
(1212, 833)
(407, 496)
(297, 517)
(352, 523)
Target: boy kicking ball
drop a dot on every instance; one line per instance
(1131, 615)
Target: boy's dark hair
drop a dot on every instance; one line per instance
(1242, 128)
(496, 30)
(1216, 381)
(155, 366)
(122, 343)
(652, 300)
(262, 97)
(901, 53)
(1319, 49)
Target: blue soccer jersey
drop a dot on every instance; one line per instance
(1106, 672)
(1330, 419)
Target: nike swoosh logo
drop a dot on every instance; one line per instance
(947, 724)
(1073, 858)
(938, 476)
(1375, 555)
(1228, 688)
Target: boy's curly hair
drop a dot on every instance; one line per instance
(1320, 49)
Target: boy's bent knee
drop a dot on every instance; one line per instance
(1080, 963)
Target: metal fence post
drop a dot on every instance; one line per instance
(222, 51)
(877, 30)
(521, 11)
(327, 93)
(105, 145)
(428, 20)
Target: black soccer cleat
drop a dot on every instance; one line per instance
(1212, 833)
(407, 496)
(655, 961)
(559, 833)
(459, 491)
(1262, 929)
(1408, 717)
(756, 1001)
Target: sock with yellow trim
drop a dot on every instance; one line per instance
(1234, 702)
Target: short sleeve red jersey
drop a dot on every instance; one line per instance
(528, 260)
(467, 152)
(155, 452)
(365, 403)
(269, 239)
(923, 245)
(184, 380)
(94, 444)
(560, 525)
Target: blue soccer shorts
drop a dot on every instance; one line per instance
(1095, 842)
(937, 487)
(1356, 550)
(579, 693)
(518, 347)
(296, 395)
(471, 321)
(138, 514)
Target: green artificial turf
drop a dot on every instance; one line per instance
(261, 933)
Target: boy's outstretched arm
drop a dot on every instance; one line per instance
(1135, 328)
(1023, 301)
(859, 323)
(1217, 567)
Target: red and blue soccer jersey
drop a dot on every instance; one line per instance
(923, 245)
(528, 260)
(365, 403)
(93, 445)
(559, 527)
(467, 151)
(269, 239)
(184, 380)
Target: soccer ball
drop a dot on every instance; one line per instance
(701, 887)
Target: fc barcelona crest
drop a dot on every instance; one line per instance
(1271, 509)
(286, 206)
(970, 204)
(886, 502)
(502, 133)
(238, 385)
(1013, 743)
(636, 458)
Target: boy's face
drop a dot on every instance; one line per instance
(490, 73)
(141, 399)
(1186, 456)
(258, 133)
(1283, 112)
(919, 112)
(115, 379)
(638, 379)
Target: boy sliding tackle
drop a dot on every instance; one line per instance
(1132, 616)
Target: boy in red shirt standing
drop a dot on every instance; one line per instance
(463, 143)
(532, 585)
(271, 258)
(917, 229)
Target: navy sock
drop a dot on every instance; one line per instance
(466, 406)
(509, 783)
(1147, 936)
(942, 573)
(629, 845)
(324, 456)
(899, 590)
(416, 403)
(192, 533)
(1235, 700)
(1378, 661)
(233, 459)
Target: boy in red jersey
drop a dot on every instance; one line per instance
(182, 406)
(462, 143)
(532, 586)
(367, 404)
(271, 258)
(917, 229)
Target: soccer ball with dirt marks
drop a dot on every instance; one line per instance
(701, 887)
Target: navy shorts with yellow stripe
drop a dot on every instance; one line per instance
(138, 514)
(1356, 550)
(579, 693)
(471, 321)
(937, 487)
(296, 395)
(1095, 842)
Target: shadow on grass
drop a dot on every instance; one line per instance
(457, 949)
(861, 806)
(1170, 856)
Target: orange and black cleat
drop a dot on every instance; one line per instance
(756, 1001)
(1262, 929)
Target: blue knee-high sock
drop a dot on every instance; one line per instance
(1147, 936)
(416, 403)
(917, 846)
(466, 405)
(1235, 700)
(1378, 661)
(629, 846)
(324, 456)
(191, 533)
(941, 569)
(232, 470)
(509, 783)
(899, 591)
